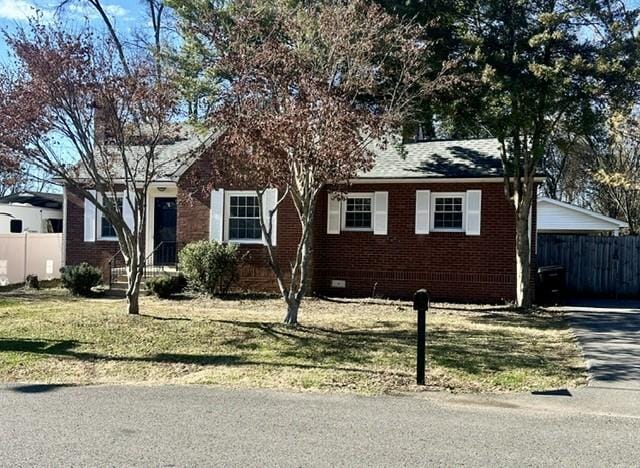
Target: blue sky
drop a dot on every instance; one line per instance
(126, 14)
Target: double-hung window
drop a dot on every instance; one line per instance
(448, 212)
(357, 212)
(105, 228)
(243, 218)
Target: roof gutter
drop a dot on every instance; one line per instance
(433, 180)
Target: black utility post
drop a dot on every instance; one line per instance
(421, 304)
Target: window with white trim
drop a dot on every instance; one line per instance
(357, 212)
(447, 212)
(106, 230)
(243, 217)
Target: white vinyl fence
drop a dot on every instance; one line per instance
(29, 254)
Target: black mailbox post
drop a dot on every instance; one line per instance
(421, 304)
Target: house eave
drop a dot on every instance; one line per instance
(617, 224)
(431, 180)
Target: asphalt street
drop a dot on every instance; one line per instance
(200, 426)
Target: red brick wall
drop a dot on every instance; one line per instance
(452, 266)
(194, 199)
(77, 250)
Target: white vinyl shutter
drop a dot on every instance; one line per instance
(269, 202)
(128, 208)
(216, 222)
(474, 202)
(423, 204)
(381, 202)
(90, 219)
(333, 214)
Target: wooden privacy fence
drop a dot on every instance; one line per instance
(29, 254)
(596, 265)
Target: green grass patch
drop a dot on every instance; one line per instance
(369, 348)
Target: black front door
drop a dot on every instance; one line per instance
(164, 231)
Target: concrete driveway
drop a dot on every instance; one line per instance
(609, 333)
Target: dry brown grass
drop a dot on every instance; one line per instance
(348, 346)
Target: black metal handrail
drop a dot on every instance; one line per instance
(111, 262)
(168, 260)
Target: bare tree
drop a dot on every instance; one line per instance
(74, 92)
(155, 10)
(307, 89)
(616, 169)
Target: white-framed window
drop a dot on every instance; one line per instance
(242, 218)
(358, 210)
(448, 212)
(106, 231)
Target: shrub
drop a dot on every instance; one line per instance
(210, 267)
(166, 285)
(32, 282)
(79, 279)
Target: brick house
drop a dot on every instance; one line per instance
(434, 217)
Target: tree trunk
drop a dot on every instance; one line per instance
(291, 317)
(134, 279)
(523, 263)
(294, 288)
(133, 300)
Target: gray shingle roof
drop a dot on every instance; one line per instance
(438, 159)
(170, 159)
(433, 159)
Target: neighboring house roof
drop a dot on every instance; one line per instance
(38, 199)
(437, 159)
(557, 216)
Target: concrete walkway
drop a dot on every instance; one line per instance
(609, 334)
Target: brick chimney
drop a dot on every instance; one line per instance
(101, 131)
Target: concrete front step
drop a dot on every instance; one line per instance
(171, 271)
(119, 282)
(120, 289)
(122, 285)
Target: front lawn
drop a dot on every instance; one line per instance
(369, 348)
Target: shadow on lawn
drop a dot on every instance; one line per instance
(476, 352)
(65, 348)
(538, 319)
(473, 351)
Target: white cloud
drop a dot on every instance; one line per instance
(115, 10)
(19, 10)
(89, 12)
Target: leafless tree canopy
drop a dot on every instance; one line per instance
(75, 110)
(307, 89)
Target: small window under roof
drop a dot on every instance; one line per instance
(15, 226)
